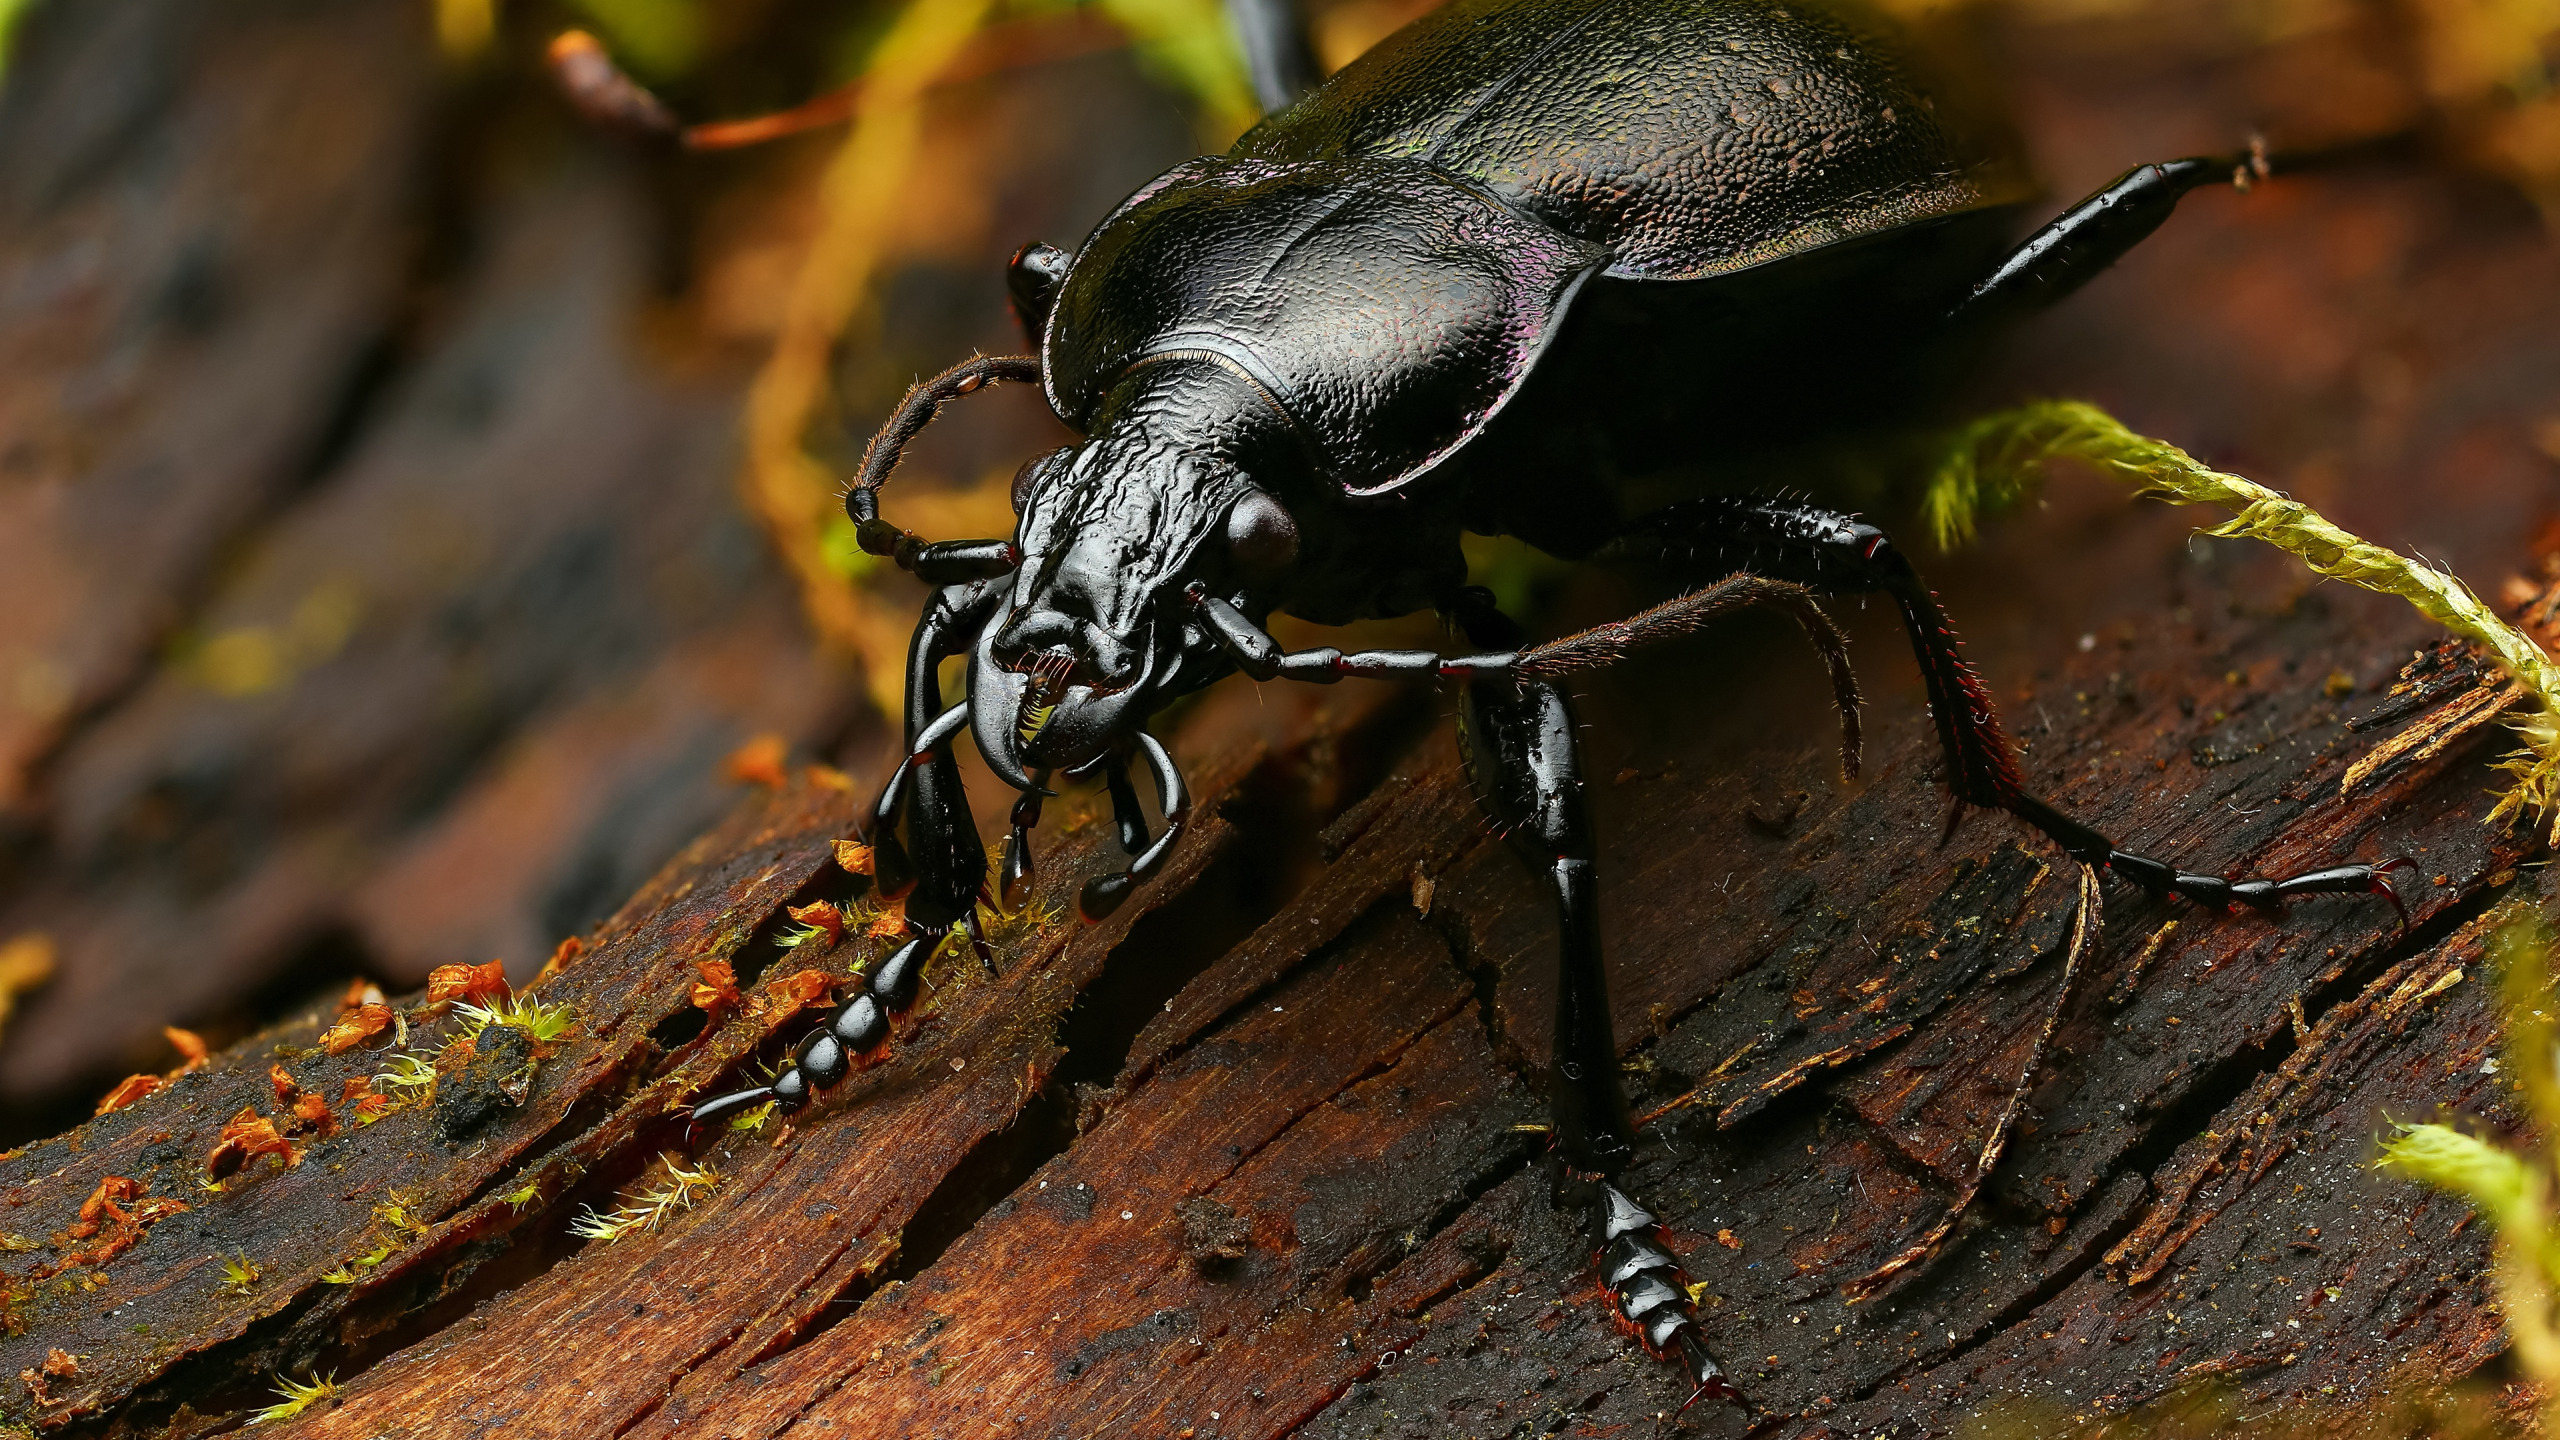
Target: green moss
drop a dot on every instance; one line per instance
(1996, 462)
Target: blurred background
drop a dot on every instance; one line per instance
(417, 504)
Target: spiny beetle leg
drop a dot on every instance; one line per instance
(1261, 657)
(1013, 885)
(1125, 814)
(1648, 1293)
(1795, 541)
(1523, 760)
(2158, 876)
(854, 1037)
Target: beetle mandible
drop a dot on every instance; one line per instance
(1521, 250)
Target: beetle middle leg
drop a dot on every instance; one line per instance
(1523, 760)
(1832, 551)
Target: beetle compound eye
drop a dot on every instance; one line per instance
(1032, 280)
(1026, 481)
(1261, 533)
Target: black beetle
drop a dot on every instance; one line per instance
(1521, 251)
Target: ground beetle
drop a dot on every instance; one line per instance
(1522, 250)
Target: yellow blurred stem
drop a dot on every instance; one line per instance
(789, 491)
(1997, 461)
(465, 27)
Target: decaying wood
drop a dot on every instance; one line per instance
(1349, 1082)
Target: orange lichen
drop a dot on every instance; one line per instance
(248, 1136)
(356, 1027)
(360, 992)
(286, 1086)
(130, 1089)
(473, 984)
(60, 1364)
(788, 995)
(717, 990)
(853, 857)
(759, 762)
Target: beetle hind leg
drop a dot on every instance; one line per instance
(1790, 540)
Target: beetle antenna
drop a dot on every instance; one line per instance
(924, 400)
(607, 96)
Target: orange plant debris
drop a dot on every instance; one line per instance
(311, 1112)
(128, 1090)
(361, 1101)
(782, 998)
(853, 857)
(824, 915)
(475, 984)
(248, 1136)
(561, 955)
(717, 990)
(106, 1217)
(101, 1208)
(759, 762)
(190, 1047)
(356, 1027)
(891, 922)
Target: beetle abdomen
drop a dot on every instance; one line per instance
(1689, 138)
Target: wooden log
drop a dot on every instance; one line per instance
(1345, 1085)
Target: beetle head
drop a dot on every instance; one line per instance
(1099, 634)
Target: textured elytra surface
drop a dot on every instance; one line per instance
(1388, 260)
(1685, 139)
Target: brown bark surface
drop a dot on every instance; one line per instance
(1315, 1038)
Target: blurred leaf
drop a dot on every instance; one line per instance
(793, 495)
(11, 12)
(1191, 46)
(1188, 46)
(655, 39)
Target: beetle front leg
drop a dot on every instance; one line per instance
(855, 1037)
(1521, 757)
(1829, 550)
(942, 868)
